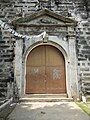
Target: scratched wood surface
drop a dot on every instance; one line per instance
(45, 71)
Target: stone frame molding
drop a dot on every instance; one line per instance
(65, 43)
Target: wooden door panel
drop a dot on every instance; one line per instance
(45, 71)
(35, 80)
(55, 71)
(55, 81)
(54, 57)
(35, 71)
(36, 57)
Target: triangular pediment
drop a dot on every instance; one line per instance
(44, 17)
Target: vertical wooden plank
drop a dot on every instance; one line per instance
(55, 71)
(35, 71)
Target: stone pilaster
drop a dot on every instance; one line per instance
(73, 64)
(18, 63)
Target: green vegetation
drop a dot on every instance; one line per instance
(84, 106)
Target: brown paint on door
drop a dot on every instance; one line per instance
(45, 71)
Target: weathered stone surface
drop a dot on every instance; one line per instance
(77, 10)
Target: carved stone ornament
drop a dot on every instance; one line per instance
(44, 17)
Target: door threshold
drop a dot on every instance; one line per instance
(45, 95)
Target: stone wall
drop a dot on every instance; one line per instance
(78, 10)
(6, 61)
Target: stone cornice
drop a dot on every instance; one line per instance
(45, 25)
(24, 20)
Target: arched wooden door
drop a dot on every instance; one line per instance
(45, 71)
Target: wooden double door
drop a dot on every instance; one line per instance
(45, 71)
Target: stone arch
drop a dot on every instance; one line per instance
(60, 48)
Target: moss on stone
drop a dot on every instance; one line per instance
(84, 106)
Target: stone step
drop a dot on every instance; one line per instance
(46, 98)
(45, 95)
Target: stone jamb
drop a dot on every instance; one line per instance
(70, 64)
(73, 63)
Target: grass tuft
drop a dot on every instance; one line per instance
(84, 106)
